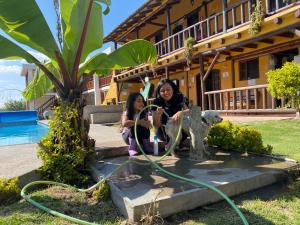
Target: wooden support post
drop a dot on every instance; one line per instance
(167, 72)
(201, 71)
(211, 66)
(233, 73)
(119, 89)
(168, 21)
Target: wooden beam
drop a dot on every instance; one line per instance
(156, 24)
(251, 45)
(237, 49)
(202, 82)
(267, 41)
(277, 21)
(211, 66)
(286, 35)
(167, 72)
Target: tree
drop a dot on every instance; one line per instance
(285, 82)
(14, 105)
(68, 66)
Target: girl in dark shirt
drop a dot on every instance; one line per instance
(135, 103)
(170, 100)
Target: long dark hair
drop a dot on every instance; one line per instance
(130, 105)
(162, 83)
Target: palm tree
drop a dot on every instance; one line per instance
(68, 62)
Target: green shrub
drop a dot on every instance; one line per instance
(233, 137)
(223, 135)
(65, 149)
(9, 190)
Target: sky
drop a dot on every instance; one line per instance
(12, 83)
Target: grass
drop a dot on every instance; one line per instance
(269, 207)
(283, 135)
(280, 207)
(63, 200)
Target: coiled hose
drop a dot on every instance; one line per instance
(150, 162)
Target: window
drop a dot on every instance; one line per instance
(249, 69)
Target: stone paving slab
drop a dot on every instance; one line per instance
(136, 188)
(19, 161)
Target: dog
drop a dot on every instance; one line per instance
(196, 124)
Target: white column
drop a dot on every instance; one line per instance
(31, 103)
(97, 91)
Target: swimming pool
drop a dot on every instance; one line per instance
(22, 134)
(20, 127)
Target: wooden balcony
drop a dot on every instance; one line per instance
(274, 6)
(253, 99)
(222, 22)
(104, 81)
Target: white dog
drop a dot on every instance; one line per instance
(196, 124)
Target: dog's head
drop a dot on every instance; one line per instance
(211, 117)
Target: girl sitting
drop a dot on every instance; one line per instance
(170, 100)
(135, 103)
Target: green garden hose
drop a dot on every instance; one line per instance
(153, 162)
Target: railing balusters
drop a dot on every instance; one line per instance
(264, 97)
(241, 99)
(209, 102)
(233, 17)
(255, 99)
(208, 27)
(228, 100)
(234, 100)
(247, 100)
(221, 101)
(242, 14)
(215, 102)
(216, 24)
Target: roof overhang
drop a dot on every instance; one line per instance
(139, 17)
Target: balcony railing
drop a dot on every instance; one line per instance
(246, 99)
(273, 6)
(219, 23)
(104, 81)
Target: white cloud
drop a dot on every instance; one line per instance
(7, 69)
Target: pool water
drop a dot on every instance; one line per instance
(22, 134)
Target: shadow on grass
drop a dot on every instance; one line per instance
(66, 202)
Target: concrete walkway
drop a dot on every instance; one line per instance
(246, 119)
(21, 160)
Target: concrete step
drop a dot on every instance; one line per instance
(135, 188)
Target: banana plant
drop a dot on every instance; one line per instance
(68, 64)
(64, 151)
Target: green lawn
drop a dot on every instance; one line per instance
(283, 135)
(282, 208)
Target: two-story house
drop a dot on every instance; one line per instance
(229, 64)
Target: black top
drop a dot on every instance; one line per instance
(171, 107)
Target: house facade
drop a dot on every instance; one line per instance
(228, 63)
